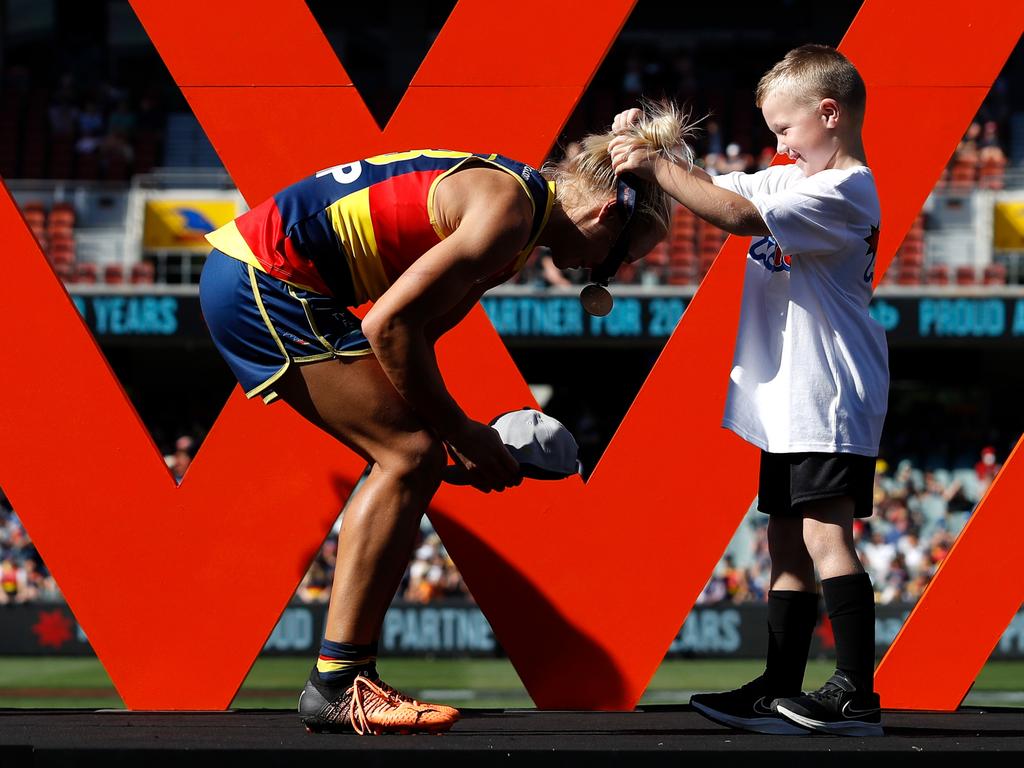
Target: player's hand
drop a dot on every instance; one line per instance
(487, 464)
(625, 119)
(629, 157)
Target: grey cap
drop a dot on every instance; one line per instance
(544, 448)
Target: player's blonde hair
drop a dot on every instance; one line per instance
(663, 128)
(811, 73)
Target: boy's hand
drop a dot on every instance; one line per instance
(625, 119)
(629, 157)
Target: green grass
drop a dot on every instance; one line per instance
(275, 682)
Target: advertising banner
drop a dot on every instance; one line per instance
(458, 629)
(181, 225)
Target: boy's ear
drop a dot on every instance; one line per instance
(829, 109)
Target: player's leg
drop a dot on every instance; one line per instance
(308, 348)
(792, 610)
(354, 401)
(847, 703)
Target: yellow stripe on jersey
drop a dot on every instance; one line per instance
(351, 220)
(438, 229)
(395, 157)
(229, 240)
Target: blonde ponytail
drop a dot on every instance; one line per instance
(663, 128)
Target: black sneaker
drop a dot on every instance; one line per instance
(749, 708)
(837, 707)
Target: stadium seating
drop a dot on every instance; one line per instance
(966, 275)
(937, 274)
(113, 274)
(142, 273)
(86, 272)
(994, 274)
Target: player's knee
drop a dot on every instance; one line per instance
(419, 458)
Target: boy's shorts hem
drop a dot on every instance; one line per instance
(789, 480)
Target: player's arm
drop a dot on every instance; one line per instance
(440, 326)
(492, 226)
(691, 187)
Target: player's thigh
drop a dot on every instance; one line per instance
(353, 400)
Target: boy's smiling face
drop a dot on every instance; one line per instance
(806, 134)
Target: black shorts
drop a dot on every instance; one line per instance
(787, 480)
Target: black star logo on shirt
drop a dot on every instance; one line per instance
(872, 241)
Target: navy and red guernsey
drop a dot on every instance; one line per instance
(351, 230)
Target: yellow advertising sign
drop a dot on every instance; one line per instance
(181, 224)
(1008, 232)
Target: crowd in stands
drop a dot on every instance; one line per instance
(98, 130)
(917, 516)
(431, 574)
(23, 576)
(73, 130)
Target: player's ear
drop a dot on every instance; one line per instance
(608, 211)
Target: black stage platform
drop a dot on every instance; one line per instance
(650, 736)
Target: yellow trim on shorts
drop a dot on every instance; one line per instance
(332, 351)
(270, 396)
(273, 332)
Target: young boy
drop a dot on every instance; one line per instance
(809, 381)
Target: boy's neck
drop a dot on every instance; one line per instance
(849, 154)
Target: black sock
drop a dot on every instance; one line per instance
(339, 664)
(791, 619)
(850, 601)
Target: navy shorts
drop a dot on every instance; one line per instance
(787, 480)
(261, 325)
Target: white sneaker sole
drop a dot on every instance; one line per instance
(840, 728)
(773, 725)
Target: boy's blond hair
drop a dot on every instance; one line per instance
(814, 72)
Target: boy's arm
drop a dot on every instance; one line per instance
(693, 188)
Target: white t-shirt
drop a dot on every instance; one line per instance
(811, 367)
